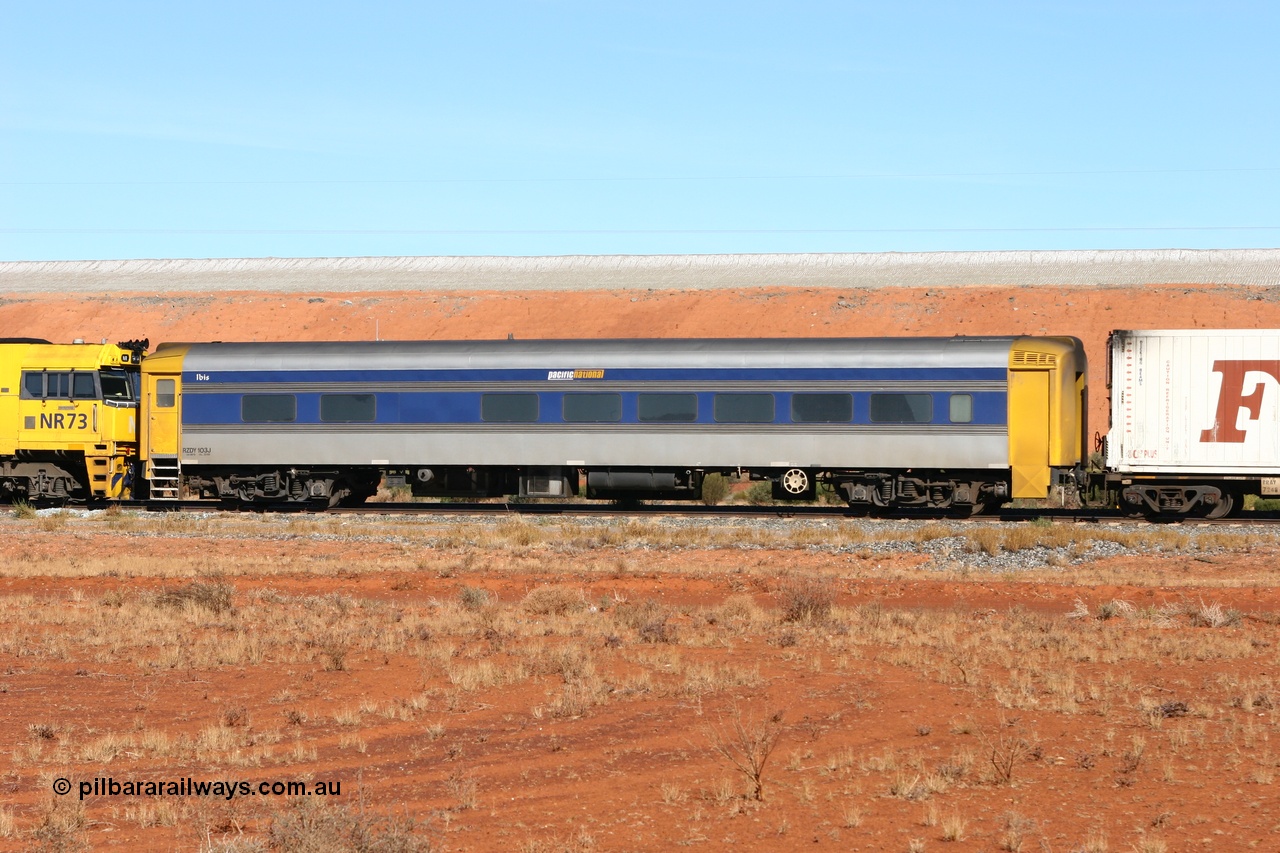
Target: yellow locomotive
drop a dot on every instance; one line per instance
(68, 419)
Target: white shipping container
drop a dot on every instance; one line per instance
(1195, 402)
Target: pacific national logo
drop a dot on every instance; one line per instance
(1231, 399)
(575, 374)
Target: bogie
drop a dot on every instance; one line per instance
(955, 493)
(267, 486)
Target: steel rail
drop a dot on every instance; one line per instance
(694, 510)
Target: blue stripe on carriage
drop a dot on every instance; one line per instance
(463, 407)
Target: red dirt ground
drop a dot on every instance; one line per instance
(882, 743)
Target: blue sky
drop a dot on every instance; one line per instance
(174, 130)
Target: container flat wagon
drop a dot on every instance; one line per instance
(1195, 419)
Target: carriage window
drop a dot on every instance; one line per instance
(822, 408)
(268, 408)
(347, 408)
(83, 387)
(509, 408)
(592, 408)
(961, 408)
(166, 393)
(743, 408)
(668, 408)
(901, 408)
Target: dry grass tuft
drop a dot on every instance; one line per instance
(648, 618)
(953, 827)
(308, 825)
(474, 598)
(554, 601)
(739, 611)
(1114, 609)
(60, 826)
(806, 598)
(214, 595)
(1214, 616)
(1016, 829)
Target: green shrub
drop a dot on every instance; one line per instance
(759, 494)
(828, 494)
(715, 488)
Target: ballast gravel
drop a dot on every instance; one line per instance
(948, 545)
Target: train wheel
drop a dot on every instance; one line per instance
(795, 482)
(968, 510)
(1223, 508)
(338, 493)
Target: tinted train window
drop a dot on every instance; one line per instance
(961, 408)
(509, 408)
(743, 408)
(347, 408)
(901, 408)
(821, 408)
(62, 386)
(268, 408)
(593, 408)
(83, 387)
(166, 393)
(668, 408)
(57, 385)
(115, 385)
(33, 385)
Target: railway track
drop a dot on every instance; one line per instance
(803, 512)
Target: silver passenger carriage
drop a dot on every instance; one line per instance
(885, 421)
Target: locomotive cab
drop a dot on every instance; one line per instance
(68, 419)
